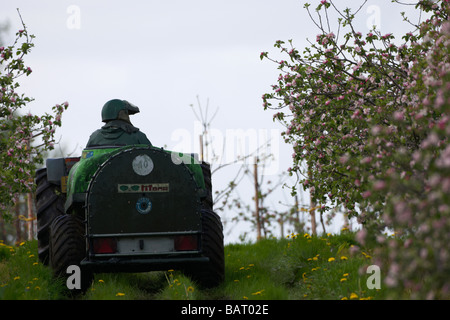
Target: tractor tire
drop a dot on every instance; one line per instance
(49, 205)
(68, 248)
(207, 202)
(211, 274)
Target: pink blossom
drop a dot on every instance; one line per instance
(366, 194)
(379, 185)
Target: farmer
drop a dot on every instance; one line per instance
(118, 130)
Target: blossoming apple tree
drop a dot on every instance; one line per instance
(23, 137)
(369, 120)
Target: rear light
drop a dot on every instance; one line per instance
(186, 243)
(104, 245)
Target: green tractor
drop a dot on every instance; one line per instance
(133, 208)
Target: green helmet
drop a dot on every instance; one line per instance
(111, 109)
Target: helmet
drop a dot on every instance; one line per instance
(111, 109)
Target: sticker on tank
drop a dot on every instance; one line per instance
(142, 165)
(143, 188)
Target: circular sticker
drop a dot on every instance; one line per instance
(142, 165)
(143, 205)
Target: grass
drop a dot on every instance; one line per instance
(22, 277)
(299, 267)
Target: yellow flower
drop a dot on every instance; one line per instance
(101, 281)
(236, 280)
(171, 270)
(251, 265)
(331, 259)
(120, 294)
(16, 278)
(35, 263)
(345, 275)
(22, 243)
(31, 256)
(246, 298)
(353, 296)
(190, 289)
(241, 268)
(344, 258)
(314, 269)
(257, 293)
(343, 279)
(37, 288)
(344, 298)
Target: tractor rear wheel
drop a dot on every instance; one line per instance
(211, 274)
(49, 205)
(68, 248)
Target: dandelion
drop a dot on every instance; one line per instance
(16, 278)
(244, 297)
(344, 258)
(257, 293)
(345, 275)
(344, 298)
(35, 263)
(22, 243)
(343, 279)
(251, 265)
(120, 294)
(331, 259)
(37, 288)
(241, 268)
(236, 280)
(101, 281)
(190, 289)
(31, 256)
(353, 296)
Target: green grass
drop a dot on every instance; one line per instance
(299, 267)
(22, 277)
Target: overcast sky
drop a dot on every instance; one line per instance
(161, 55)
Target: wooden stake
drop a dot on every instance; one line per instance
(258, 219)
(30, 222)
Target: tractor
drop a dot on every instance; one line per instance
(134, 208)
